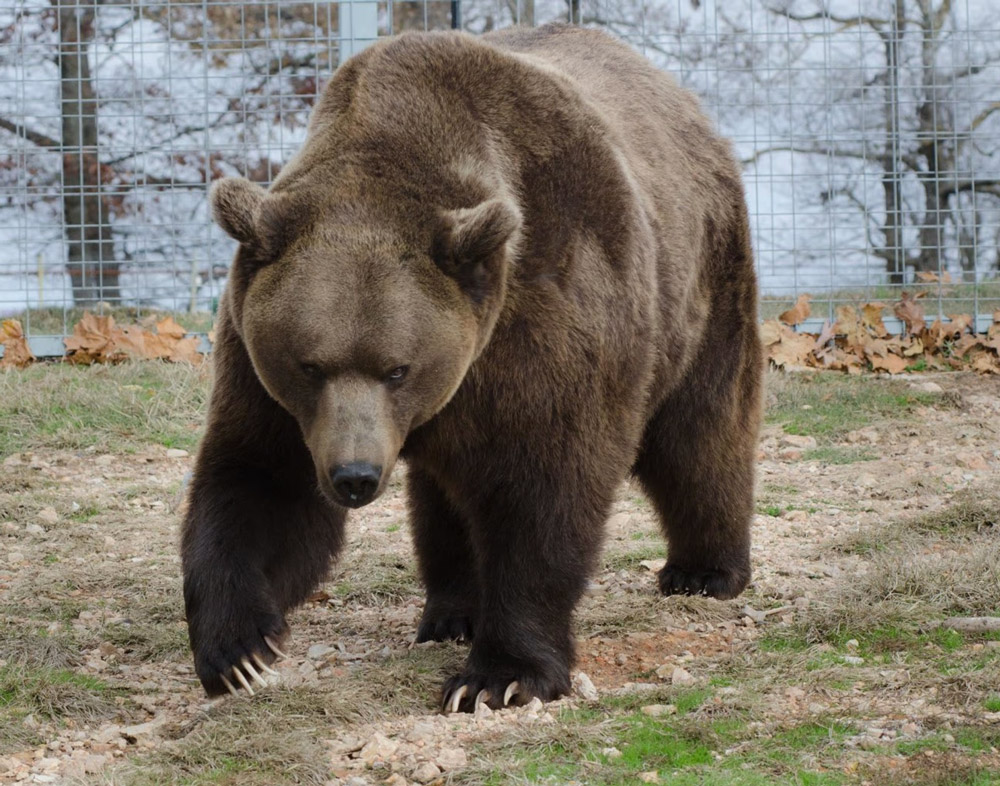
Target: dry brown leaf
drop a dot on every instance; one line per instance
(169, 327)
(891, 363)
(929, 277)
(798, 313)
(871, 318)
(910, 311)
(913, 348)
(770, 332)
(961, 322)
(985, 363)
(186, 351)
(794, 349)
(16, 352)
(93, 339)
(964, 345)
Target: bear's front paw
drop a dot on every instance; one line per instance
(445, 622)
(716, 583)
(237, 652)
(464, 692)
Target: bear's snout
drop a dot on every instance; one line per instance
(355, 484)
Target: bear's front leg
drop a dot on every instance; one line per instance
(258, 536)
(535, 549)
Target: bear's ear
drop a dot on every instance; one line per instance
(470, 242)
(236, 204)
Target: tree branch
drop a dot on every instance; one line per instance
(26, 133)
(812, 151)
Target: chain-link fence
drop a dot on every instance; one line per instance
(869, 132)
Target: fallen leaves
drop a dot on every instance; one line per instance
(97, 339)
(16, 352)
(859, 340)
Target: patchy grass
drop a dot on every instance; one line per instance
(838, 454)
(58, 321)
(829, 406)
(107, 408)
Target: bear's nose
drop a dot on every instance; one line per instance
(356, 483)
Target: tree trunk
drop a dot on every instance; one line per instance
(91, 263)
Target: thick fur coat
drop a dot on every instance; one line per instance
(522, 263)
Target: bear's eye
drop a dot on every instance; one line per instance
(397, 375)
(312, 371)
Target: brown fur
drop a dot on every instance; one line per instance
(521, 262)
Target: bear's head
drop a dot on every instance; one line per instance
(362, 314)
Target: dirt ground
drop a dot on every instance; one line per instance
(878, 517)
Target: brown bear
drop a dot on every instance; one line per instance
(521, 262)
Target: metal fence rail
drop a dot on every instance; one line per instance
(869, 133)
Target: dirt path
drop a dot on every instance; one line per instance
(877, 517)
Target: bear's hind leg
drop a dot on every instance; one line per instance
(447, 562)
(697, 465)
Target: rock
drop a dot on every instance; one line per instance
(653, 565)
(176, 453)
(852, 644)
(790, 454)
(659, 710)
(583, 687)
(611, 753)
(853, 660)
(681, 676)
(973, 461)
(378, 748)
(452, 758)
(795, 694)
(749, 612)
(396, 780)
(35, 529)
(649, 777)
(48, 515)
(317, 651)
(795, 515)
(426, 772)
(799, 441)
(356, 781)
(927, 387)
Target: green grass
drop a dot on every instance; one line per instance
(56, 321)
(955, 298)
(836, 454)
(829, 406)
(119, 408)
(46, 693)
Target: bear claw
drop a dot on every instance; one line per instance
(263, 666)
(274, 647)
(456, 698)
(249, 669)
(510, 692)
(229, 685)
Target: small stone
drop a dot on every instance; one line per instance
(852, 644)
(750, 613)
(795, 694)
(853, 660)
(681, 676)
(317, 651)
(611, 753)
(356, 781)
(659, 710)
(790, 454)
(621, 659)
(795, 515)
(948, 738)
(426, 772)
(928, 387)
(583, 687)
(176, 453)
(48, 515)
(35, 529)
(649, 777)
(801, 603)
(973, 461)
(799, 441)
(653, 565)
(396, 780)
(378, 748)
(452, 758)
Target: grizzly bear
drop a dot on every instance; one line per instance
(521, 263)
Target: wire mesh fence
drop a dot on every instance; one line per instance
(869, 133)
